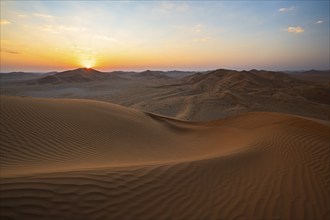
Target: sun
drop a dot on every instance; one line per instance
(87, 63)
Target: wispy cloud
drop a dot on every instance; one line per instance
(22, 16)
(202, 39)
(4, 22)
(319, 22)
(56, 29)
(171, 6)
(106, 38)
(198, 28)
(49, 28)
(286, 9)
(182, 7)
(174, 6)
(47, 16)
(9, 51)
(297, 29)
(70, 28)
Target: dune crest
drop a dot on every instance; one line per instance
(70, 158)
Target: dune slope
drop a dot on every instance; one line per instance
(82, 159)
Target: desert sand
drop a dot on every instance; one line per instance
(87, 159)
(201, 96)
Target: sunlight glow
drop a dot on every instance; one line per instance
(54, 35)
(88, 63)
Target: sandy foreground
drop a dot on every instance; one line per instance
(83, 159)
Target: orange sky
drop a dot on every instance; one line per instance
(58, 35)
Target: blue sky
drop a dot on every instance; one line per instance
(109, 35)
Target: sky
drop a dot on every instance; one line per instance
(49, 35)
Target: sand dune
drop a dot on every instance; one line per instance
(82, 159)
(152, 75)
(317, 76)
(80, 75)
(223, 93)
(197, 97)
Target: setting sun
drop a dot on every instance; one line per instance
(149, 35)
(88, 63)
(165, 109)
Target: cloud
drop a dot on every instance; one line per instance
(182, 7)
(9, 51)
(49, 28)
(198, 28)
(56, 29)
(21, 15)
(201, 39)
(319, 22)
(297, 29)
(4, 22)
(47, 16)
(106, 38)
(283, 10)
(70, 28)
(167, 6)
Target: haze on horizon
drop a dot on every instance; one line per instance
(201, 35)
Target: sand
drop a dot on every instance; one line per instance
(84, 159)
(196, 97)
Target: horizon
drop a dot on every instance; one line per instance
(46, 36)
(154, 70)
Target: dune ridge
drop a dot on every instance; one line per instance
(192, 96)
(83, 159)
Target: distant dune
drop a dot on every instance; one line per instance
(199, 96)
(222, 93)
(152, 74)
(80, 75)
(18, 76)
(313, 75)
(83, 159)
